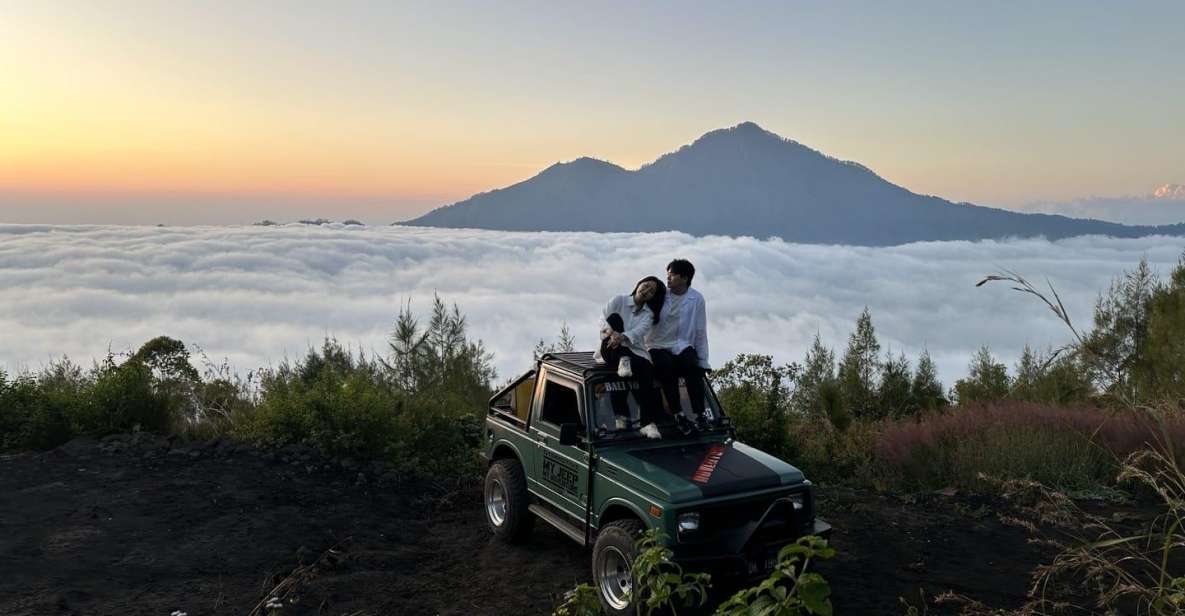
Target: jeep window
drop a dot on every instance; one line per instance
(516, 399)
(559, 404)
(685, 400)
(603, 406)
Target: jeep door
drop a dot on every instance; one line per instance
(561, 471)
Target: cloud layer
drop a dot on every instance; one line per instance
(255, 295)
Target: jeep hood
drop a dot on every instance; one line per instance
(691, 471)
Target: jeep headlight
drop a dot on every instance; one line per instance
(688, 522)
(798, 501)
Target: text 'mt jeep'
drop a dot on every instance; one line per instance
(553, 453)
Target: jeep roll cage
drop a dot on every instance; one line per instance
(580, 367)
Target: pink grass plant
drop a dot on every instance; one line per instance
(1074, 448)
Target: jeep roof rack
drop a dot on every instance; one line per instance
(580, 362)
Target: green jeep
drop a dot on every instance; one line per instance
(724, 507)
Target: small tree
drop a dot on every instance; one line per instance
(987, 379)
(1120, 328)
(1050, 378)
(566, 343)
(1029, 372)
(1159, 370)
(926, 391)
(756, 392)
(858, 370)
(817, 368)
(893, 396)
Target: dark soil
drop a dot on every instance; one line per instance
(139, 526)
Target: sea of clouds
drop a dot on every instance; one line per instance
(256, 295)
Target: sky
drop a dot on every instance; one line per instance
(253, 296)
(230, 112)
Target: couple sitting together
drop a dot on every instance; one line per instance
(658, 332)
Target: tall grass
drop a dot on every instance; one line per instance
(1070, 448)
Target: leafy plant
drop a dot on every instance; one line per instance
(580, 601)
(791, 589)
(662, 583)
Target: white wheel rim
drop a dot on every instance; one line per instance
(614, 578)
(496, 502)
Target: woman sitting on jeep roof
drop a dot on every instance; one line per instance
(627, 320)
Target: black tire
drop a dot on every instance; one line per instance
(506, 501)
(612, 561)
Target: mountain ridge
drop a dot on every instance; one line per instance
(746, 181)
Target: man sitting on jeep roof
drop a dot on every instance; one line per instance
(678, 342)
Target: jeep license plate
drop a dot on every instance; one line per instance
(763, 566)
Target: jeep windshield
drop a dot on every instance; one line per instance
(601, 390)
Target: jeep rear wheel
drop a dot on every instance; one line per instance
(612, 565)
(506, 501)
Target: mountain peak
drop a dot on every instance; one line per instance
(743, 131)
(584, 163)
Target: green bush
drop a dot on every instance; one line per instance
(47, 409)
(329, 400)
(756, 394)
(29, 418)
(421, 410)
(121, 398)
(827, 454)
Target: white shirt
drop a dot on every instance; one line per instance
(683, 323)
(638, 322)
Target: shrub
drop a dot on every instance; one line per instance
(328, 400)
(828, 454)
(122, 398)
(1073, 448)
(987, 380)
(756, 393)
(350, 406)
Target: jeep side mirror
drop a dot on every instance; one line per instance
(569, 434)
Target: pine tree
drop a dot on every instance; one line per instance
(1120, 328)
(987, 380)
(926, 391)
(858, 370)
(566, 343)
(1065, 380)
(440, 358)
(893, 393)
(818, 367)
(1029, 373)
(1159, 372)
(407, 347)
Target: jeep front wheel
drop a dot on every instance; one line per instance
(612, 564)
(507, 501)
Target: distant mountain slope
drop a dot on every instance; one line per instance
(745, 180)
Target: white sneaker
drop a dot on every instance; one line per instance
(623, 368)
(651, 431)
(621, 423)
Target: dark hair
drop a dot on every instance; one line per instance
(682, 267)
(660, 295)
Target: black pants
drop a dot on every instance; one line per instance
(668, 367)
(643, 372)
